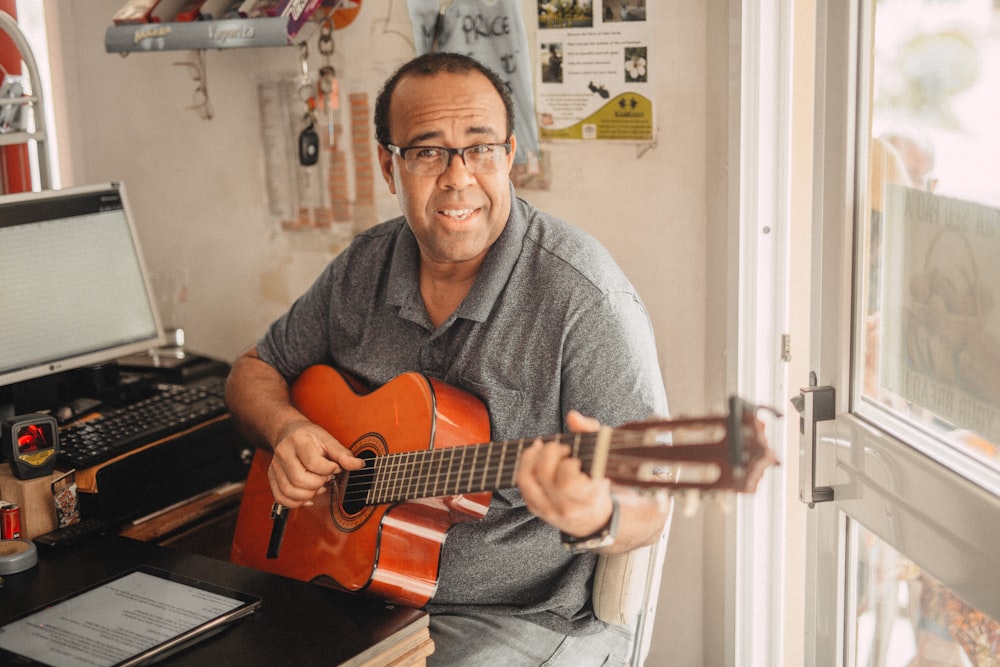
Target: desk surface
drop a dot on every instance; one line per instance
(297, 624)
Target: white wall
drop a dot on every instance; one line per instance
(197, 188)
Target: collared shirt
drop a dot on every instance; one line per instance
(550, 324)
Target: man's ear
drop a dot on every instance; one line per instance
(387, 166)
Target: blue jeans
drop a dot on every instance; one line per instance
(471, 641)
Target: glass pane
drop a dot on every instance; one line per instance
(931, 289)
(903, 617)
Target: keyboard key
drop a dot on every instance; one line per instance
(172, 409)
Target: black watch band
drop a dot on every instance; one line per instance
(605, 537)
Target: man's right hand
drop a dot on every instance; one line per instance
(306, 457)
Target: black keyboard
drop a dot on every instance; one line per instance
(172, 408)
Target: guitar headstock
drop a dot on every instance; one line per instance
(722, 453)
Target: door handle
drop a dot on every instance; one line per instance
(814, 404)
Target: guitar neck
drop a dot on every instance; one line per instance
(455, 470)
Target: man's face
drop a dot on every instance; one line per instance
(456, 215)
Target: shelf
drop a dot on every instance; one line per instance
(15, 138)
(195, 35)
(20, 137)
(32, 103)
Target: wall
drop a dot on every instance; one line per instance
(197, 187)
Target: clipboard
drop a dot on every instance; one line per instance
(136, 617)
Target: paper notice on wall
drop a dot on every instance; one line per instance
(492, 32)
(594, 70)
(941, 342)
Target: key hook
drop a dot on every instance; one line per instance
(325, 41)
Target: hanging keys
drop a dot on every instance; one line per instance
(329, 93)
(308, 144)
(302, 81)
(327, 85)
(308, 139)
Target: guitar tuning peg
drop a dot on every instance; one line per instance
(692, 502)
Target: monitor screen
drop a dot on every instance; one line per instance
(74, 290)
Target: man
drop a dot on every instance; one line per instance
(479, 289)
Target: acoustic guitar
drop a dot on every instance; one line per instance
(379, 530)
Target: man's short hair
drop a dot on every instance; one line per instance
(430, 64)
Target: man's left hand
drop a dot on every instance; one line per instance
(556, 489)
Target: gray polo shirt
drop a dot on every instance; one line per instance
(551, 324)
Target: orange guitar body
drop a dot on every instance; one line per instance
(391, 551)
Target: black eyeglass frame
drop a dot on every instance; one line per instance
(451, 152)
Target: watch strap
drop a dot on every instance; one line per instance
(604, 537)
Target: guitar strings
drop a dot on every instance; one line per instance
(435, 473)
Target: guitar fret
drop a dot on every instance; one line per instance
(486, 464)
(447, 477)
(430, 479)
(517, 458)
(577, 451)
(399, 481)
(503, 454)
(441, 476)
(392, 477)
(371, 496)
(397, 478)
(413, 473)
(424, 473)
(472, 467)
(408, 474)
(511, 467)
(417, 464)
(461, 464)
(391, 480)
(440, 456)
(437, 476)
(377, 479)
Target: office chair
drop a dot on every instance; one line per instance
(626, 587)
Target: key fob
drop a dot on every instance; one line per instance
(308, 146)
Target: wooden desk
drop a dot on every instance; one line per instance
(298, 624)
(202, 525)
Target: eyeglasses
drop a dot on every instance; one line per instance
(434, 160)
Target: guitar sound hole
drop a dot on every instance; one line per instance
(359, 483)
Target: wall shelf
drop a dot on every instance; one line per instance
(195, 35)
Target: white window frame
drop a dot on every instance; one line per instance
(762, 117)
(879, 468)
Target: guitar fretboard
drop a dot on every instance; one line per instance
(452, 470)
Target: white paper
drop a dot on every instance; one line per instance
(113, 622)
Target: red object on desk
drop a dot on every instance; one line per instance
(15, 170)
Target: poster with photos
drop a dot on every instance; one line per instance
(941, 330)
(594, 79)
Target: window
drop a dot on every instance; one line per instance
(931, 294)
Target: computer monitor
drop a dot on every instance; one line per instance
(74, 290)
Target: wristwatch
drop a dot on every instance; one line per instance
(604, 537)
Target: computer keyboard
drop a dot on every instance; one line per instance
(172, 408)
